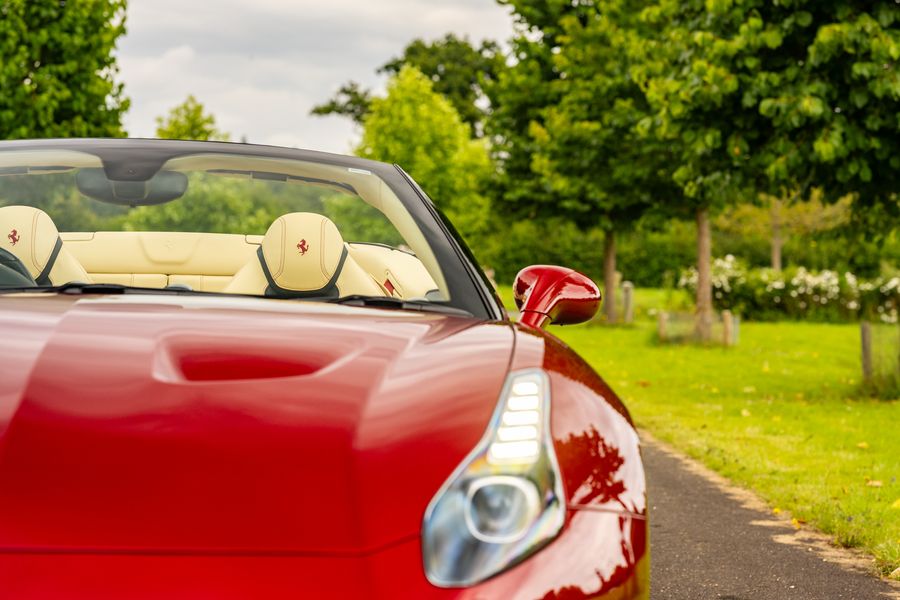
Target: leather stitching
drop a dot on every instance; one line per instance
(33, 241)
(281, 252)
(322, 266)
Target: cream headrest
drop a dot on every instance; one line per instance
(30, 234)
(302, 254)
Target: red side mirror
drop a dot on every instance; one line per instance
(562, 295)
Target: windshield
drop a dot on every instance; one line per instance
(232, 223)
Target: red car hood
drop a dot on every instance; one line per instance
(194, 424)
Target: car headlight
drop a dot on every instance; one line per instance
(505, 500)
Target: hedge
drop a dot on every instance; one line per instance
(798, 293)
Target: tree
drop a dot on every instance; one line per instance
(564, 123)
(519, 96)
(775, 97)
(777, 221)
(834, 107)
(351, 100)
(457, 69)
(419, 129)
(686, 69)
(57, 69)
(587, 148)
(189, 121)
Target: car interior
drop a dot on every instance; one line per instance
(302, 255)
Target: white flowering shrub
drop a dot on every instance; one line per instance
(766, 294)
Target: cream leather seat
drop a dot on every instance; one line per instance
(30, 234)
(303, 255)
(399, 273)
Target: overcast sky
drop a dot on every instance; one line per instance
(260, 65)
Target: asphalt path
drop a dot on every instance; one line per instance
(708, 543)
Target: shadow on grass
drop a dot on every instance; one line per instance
(881, 388)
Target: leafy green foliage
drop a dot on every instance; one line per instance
(645, 257)
(683, 67)
(519, 96)
(541, 241)
(566, 123)
(189, 121)
(351, 100)
(419, 129)
(800, 218)
(457, 69)
(586, 147)
(57, 69)
(775, 96)
(213, 204)
(655, 252)
(360, 222)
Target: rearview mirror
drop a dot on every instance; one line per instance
(562, 295)
(164, 186)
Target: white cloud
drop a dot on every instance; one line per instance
(260, 66)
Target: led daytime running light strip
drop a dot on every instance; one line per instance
(518, 437)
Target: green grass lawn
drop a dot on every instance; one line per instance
(776, 414)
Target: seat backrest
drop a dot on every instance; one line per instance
(203, 261)
(303, 255)
(32, 237)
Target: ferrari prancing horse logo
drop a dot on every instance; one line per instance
(13, 237)
(302, 247)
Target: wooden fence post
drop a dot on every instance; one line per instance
(628, 301)
(727, 328)
(865, 331)
(662, 325)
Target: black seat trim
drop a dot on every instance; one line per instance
(12, 262)
(329, 290)
(44, 277)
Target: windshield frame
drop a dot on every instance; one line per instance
(463, 278)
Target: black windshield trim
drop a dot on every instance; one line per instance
(399, 303)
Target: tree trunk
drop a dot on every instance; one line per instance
(609, 276)
(777, 240)
(704, 316)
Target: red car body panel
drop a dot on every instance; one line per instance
(598, 555)
(212, 447)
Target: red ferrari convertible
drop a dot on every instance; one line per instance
(236, 371)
